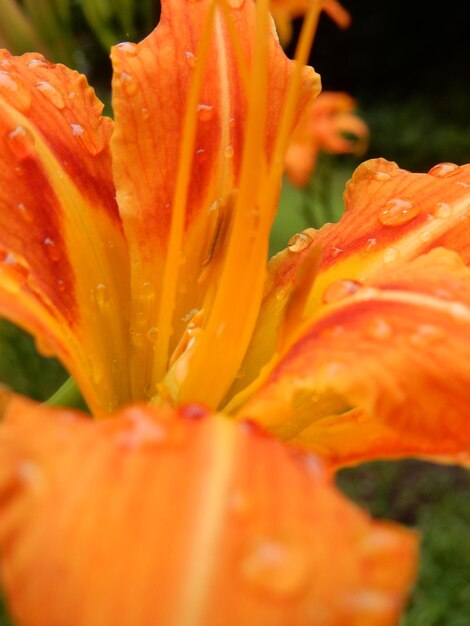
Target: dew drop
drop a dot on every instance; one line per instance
(37, 62)
(128, 83)
(236, 4)
(60, 285)
(152, 334)
(443, 170)
(130, 49)
(379, 329)
(205, 112)
(371, 243)
(228, 152)
(193, 412)
(426, 335)
(21, 141)
(397, 212)
(443, 210)
(425, 236)
(340, 289)
(25, 213)
(51, 93)
(390, 255)
(77, 130)
(51, 249)
(145, 113)
(7, 82)
(299, 242)
(147, 291)
(101, 295)
(276, 567)
(190, 58)
(382, 176)
(201, 155)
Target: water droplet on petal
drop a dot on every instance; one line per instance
(129, 48)
(382, 176)
(371, 243)
(390, 255)
(426, 335)
(397, 212)
(148, 292)
(443, 210)
(22, 143)
(443, 170)
(379, 329)
(193, 412)
(152, 334)
(51, 93)
(37, 62)
(276, 567)
(51, 249)
(236, 4)
(201, 155)
(299, 242)
(145, 113)
(190, 58)
(77, 130)
(205, 112)
(128, 83)
(101, 295)
(16, 93)
(426, 236)
(340, 289)
(25, 213)
(228, 152)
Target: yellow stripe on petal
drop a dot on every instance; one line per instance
(396, 348)
(393, 216)
(63, 256)
(164, 518)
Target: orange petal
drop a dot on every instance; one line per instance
(184, 125)
(337, 13)
(153, 518)
(393, 216)
(63, 258)
(396, 348)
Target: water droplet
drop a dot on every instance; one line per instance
(281, 294)
(371, 243)
(336, 251)
(299, 242)
(77, 130)
(25, 213)
(397, 212)
(37, 62)
(51, 249)
(51, 93)
(101, 295)
(128, 83)
(443, 170)
(426, 236)
(459, 311)
(21, 141)
(340, 289)
(130, 49)
(390, 255)
(228, 152)
(60, 285)
(147, 291)
(426, 335)
(276, 567)
(379, 329)
(7, 82)
(17, 94)
(443, 210)
(236, 4)
(152, 334)
(201, 155)
(141, 430)
(145, 113)
(382, 176)
(205, 112)
(190, 58)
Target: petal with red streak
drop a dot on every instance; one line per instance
(393, 216)
(154, 518)
(152, 88)
(397, 350)
(62, 252)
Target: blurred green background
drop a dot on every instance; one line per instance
(408, 67)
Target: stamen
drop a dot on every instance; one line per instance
(185, 164)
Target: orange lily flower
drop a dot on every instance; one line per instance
(284, 11)
(324, 128)
(135, 251)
